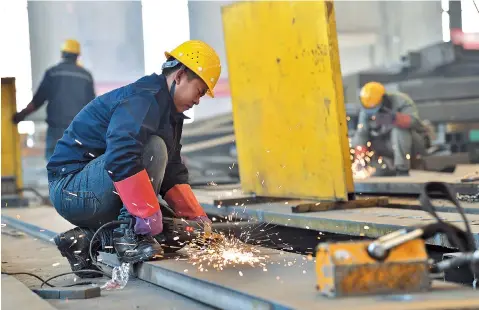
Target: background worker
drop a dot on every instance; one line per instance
(68, 88)
(123, 150)
(389, 126)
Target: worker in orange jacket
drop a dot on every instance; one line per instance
(389, 125)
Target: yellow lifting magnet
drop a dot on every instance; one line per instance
(351, 268)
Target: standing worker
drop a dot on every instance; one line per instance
(122, 151)
(389, 126)
(68, 88)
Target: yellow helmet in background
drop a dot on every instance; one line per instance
(200, 58)
(371, 95)
(71, 46)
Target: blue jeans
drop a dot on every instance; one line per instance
(53, 135)
(88, 198)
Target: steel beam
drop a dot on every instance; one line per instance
(288, 283)
(377, 187)
(435, 89)
(438, 111)
(369, 222)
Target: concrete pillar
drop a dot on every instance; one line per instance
(206, 25)
(110, 33)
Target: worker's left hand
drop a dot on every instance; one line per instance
(18, 117)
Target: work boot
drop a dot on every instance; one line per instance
(74, 245)
(133, 248)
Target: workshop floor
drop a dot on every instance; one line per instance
(22, 253)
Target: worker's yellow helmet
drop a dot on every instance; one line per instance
(200, 58)
(71, 46)
(372, 95)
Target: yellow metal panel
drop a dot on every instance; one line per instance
(288, 105)
(11, 156)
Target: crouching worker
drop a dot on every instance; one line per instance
(389, 126)
(122, 151)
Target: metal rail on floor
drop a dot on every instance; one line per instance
(289, 283)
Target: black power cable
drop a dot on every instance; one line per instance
(45, 282)
(455, 235)
(112, 223)
(75, 272)
(425, 200)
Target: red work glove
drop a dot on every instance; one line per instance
(402, 120)
(138, 196)
(181, 198)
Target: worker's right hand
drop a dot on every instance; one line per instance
(19, 117)
(152, 225)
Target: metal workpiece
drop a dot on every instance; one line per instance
(376, 187)
(462, 110)
(369, 222)
(31, 229)
(437, 89)
(288, 282)
(438, 111)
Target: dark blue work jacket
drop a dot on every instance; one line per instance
(118, 124)
(68, 88)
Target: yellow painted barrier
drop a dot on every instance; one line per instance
(11, 156)
(288, 106)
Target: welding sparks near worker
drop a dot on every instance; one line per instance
(227, 249)
(361, 166)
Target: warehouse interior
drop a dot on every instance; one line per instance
(270, 157)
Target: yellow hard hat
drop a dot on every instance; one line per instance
(71, 46)
(372, 95)
(200, 58)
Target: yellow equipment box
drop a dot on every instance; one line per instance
(346, 269)
(288, 106)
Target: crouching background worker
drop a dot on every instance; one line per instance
(390, 126)
(122, 151)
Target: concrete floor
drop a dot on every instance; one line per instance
(22, 253)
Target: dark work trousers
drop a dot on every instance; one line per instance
(398, 145)
(88, 198)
